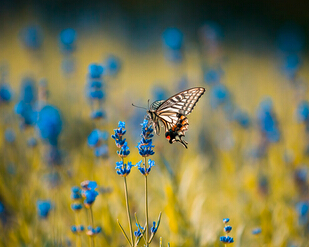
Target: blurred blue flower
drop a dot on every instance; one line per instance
(77, 229)
(76, 206)
(26, 112)
(227, 240)
(226, 220)
(267, 121)
(75, 195)
(101, 151)
(32, 37)
(97, 114)
(256, 231)
(43, 208)
(212, 76)
(173, 38)
(154, 228)
(142, 169)
(159, 93)
(2, 208)
(113, 65)
(219, 95)
(138, 233)
(211, 32)
(291, 38)
(67, 39)
(9, 135)
(53, 156)
(49, 124)
(94, 139)
(227, 229)
(303, 212)
(242, 118)
(303, 111)
(291, 65)
(123, 169)
(95, 70)
(5, 93)
(90, 194)
(93, 231)
(28, 91)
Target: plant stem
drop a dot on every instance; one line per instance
(92, 225)
(146, 206)
(128, 209)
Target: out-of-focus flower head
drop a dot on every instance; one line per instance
(49, 124)
(227, 229)
(113, 65)
(302, 209)
(28, 91)
(77, 229)
(291, 38)
(43, 208)
(242, 118)
(95, 85)
(123, 169)
(75, 195)
(159, 93)
(256, 231)
(53, 156)
(267, 121)
(303, 111)
(9, 135)
(95, 70)
(95, 138)
(211, 33)
(89, 192)
(98, 114)
(212, 76)
(32, 142)
(5, 93)
(138, 232)
(291, 65)
(32, 37)
(173, 43)
(92, 232)
(219, 95)
(67, 40)
(227, 240)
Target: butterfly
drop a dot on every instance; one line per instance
(173, 114)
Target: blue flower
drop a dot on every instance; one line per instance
(28, 92)
(77, 229)
(75, 193)
(76, 206)
(123, 169)
(67, 39)
(154, 228)
(173, 38)
(43, 208)
(267, 121)
(5, 93)
(32, 142)
(95, 70)
(9, 135)
(138, 233)
(93, 231)
(101, 151)
(32, 37)
(291, 65)
(26, 112)
(144, 171)
(256, 231)
(219, 95)
(50, 124)
(303, 111)
(226, 220)
(119, 134)
(2, 208)
(97, 114)
(124, 151)
(227, 229)
(113, 65)
(94, 138)
(145, 147)
(90, 196)
(242, 118)
(227, 240)
(212, 76)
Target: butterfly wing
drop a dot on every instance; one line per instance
(181, 103)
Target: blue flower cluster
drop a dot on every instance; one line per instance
(77, 229)
(139, 230)
(76, 197)
(89, 192)
(25, 108)
(256, 231)
(226, 239)
(145, 147)
(173, 44)
(97, 140)
(92, 232)
(43, 208)
(267, 121)
(122, 168)
(302, 209)
(154, 227)
(95, 89)
(142, 169)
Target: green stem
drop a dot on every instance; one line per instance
(92, 225)
(146, 205)
(128, 210)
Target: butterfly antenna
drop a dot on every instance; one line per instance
(139, 106)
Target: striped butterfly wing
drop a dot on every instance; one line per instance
(179, 104)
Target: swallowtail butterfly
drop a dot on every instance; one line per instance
(173, 113)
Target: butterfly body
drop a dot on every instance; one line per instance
(172, 113)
